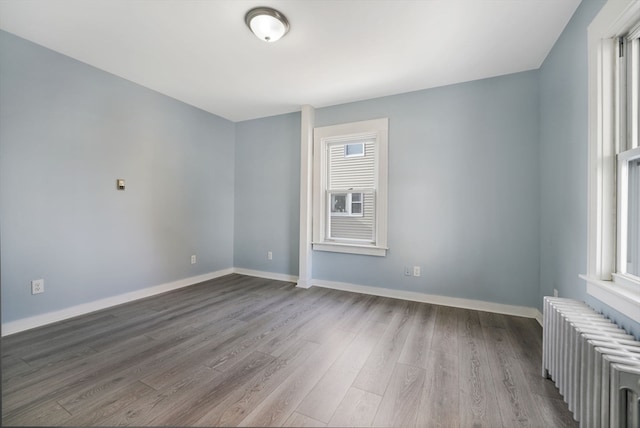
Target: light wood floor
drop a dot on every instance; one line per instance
(243, 351)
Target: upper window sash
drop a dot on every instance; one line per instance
(627, 78)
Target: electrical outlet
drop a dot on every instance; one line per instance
(193, 259)
(416, 271)
(555, 292)
(37, 286)
(407, 271)
(269, 255)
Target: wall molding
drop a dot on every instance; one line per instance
(538, 316)
(266, 275)
(456, 302)
(85, 308)
(303, 283)
(305, 257)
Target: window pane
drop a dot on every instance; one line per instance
(358, 225)
(356, 197)
(338, 203)
(353, 172)
(633, 225)
(354, 149)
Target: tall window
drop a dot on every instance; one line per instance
(628, 155)
(613, 268)
(350, 188)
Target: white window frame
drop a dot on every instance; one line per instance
(604, 280)
(348, 205)
(375, 130)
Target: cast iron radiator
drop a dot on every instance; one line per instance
(594, 363)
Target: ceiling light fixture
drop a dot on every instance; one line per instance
(266, 23)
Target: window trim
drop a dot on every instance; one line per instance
(376, 130)
(616, 18)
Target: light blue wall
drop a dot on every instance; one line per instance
(267, 207)
(67, 132)
(487, 185)
(563, 163)
(463, 192)
(463, 186)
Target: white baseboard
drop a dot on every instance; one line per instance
(265, 274)
(538, 317)
(303, 283)
(85, 308)
(478, 305)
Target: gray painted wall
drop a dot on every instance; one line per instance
(563, 165)
(463, 192)
(267, 194)
(68, 131)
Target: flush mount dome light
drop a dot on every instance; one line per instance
(266, 23)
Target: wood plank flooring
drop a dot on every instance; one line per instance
(244, 351)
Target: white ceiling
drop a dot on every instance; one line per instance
(337, 51)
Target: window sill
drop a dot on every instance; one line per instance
(366, 250)
(625, 300)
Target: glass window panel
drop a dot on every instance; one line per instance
(356, 224)
(633, 219)
(338, 203)
(354, 149)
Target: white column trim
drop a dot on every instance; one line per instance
(306, 195)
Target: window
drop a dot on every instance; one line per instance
(613, 268)
(346, 204)
(353, 149)
(350, 188)
(629, 214)
(628, 153)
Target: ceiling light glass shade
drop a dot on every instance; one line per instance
(266, 23)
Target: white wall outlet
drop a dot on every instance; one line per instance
(37, 286)
(194, 259)
(269, 255)
(416, 271)
(555, 292)
(407, 271)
